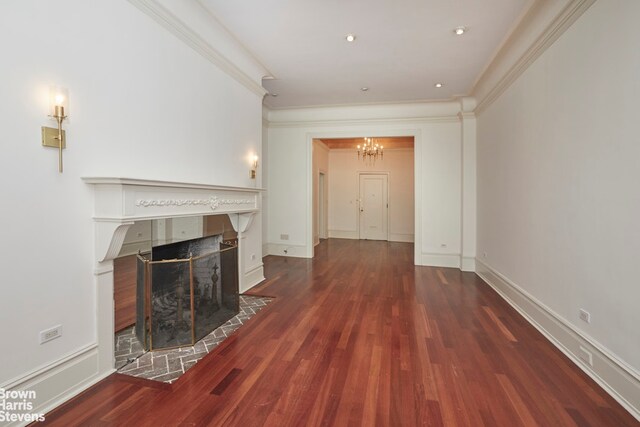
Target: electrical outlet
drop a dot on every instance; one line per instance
(284, 237)
(586, 356)
(585, 316)
(50, 334)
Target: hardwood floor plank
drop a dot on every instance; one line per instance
(443, 279)
(360, 336)
(517, 403)
(505, 331)
(222, 385)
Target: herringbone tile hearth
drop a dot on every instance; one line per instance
(168, 365)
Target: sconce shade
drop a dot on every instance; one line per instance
(58, 101)
(254, 166)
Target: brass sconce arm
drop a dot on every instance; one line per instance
(59, 116)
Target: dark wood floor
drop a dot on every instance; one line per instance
(359, 336)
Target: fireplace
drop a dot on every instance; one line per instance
(120, 202)
(185, 290)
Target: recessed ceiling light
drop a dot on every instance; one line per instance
(460, 30)
(350, 37)
(438, 85)
(364, 88)
(273, 94)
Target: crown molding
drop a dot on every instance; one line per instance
(365, 114)
(180, 29)
(389, 121)
(485, 90)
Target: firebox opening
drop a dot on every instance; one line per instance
(175, 280)
(184, 291)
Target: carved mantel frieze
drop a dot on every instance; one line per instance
(119, 202)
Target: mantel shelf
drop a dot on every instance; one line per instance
(158, 183)
(119, 202)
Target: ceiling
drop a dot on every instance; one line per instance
(402, 48)
(352, 143)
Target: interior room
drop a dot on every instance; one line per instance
(369, 196)
(320, 213)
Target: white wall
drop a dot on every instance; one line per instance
(558, 198)
(289, 185)
(436, 128)
(142, 104)
(345, 167)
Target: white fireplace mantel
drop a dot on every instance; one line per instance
(119, 202)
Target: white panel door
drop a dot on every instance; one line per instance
(373, 207)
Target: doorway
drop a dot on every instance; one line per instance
(393, 177)
(374, 206)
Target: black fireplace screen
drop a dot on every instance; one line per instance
(185, 290)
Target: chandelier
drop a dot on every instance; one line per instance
(370, 150)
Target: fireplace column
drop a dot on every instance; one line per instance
(241, 222)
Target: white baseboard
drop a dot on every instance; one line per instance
(252, 277)
(468, 263)
(393, 237)
(296, 251)
(59, 381)
(400, 237)
(616, 377)
(343, 234)
(440, 260)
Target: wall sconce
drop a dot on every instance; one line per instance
(55, 137)
(254, 166)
